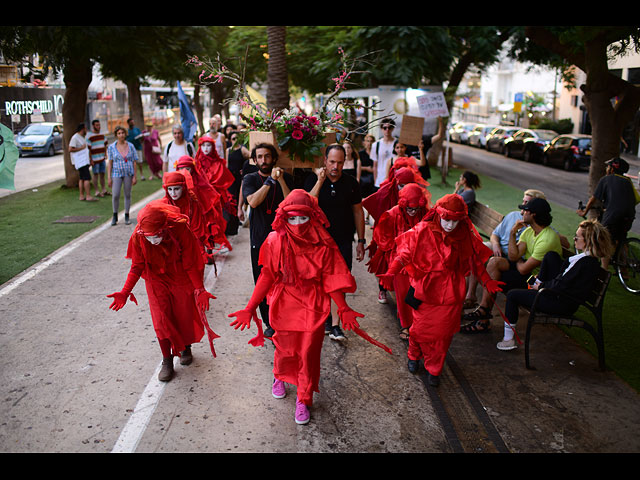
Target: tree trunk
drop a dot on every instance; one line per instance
(77, 77)
(198, 106)
(136, 110)
(277, 77)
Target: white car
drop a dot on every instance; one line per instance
(478, 136)
(459, 133)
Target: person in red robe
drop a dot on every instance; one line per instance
(437, 254)
(210, 200)
(302, 271)
(164, 251)
(413, 204)
(179, 191)
(220, 177)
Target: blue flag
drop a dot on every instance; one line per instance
(8, 157)
(187, 118)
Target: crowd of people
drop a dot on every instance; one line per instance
(303, 232)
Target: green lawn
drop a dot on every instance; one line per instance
(29, 235)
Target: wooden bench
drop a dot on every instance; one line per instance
(486, 220)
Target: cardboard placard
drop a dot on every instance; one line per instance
(411, 130)
(433, 105)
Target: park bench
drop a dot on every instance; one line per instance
(486, 220)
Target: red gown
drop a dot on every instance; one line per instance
(218, 175)
(437, 264)
(173, 271)
(393, 223)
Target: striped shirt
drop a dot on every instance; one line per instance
(97, 143)
(122, 166)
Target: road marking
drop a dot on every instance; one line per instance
(150, 398)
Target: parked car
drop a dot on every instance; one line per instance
(478, 136)
(40, 139)
(528, 144)
(459, 133)
(573, 152)
(497, 137)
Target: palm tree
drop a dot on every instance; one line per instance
(277, 77)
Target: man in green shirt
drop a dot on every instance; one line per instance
(524, 257)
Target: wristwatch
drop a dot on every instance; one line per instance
(362, 240)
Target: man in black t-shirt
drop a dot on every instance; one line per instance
(618, 197)
(263, 190)
(340, 199)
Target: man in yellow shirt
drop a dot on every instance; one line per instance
(524, 257)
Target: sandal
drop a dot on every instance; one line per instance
(480, 313)
(404, 334)
(469, 303)
(477, 326)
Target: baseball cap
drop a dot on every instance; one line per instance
(536, 205)
(619, 165)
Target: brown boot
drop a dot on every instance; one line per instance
(166, 372)
(185, 356)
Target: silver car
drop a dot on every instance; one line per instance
(40, 139)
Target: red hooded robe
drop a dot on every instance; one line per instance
(173, 272)
(219, 176)
(437, 263)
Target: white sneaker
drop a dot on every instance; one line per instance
(507, 345)
(382, 297)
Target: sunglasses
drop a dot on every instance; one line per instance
(387, 128)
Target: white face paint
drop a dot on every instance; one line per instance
(174, 191)
(412, 211)
(297, 220)
(207, 147)
(448, 225)
(153, 239)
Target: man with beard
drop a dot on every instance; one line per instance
(263, 191)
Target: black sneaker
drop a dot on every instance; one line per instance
(327, 326)
(336, 333)
(269, 332)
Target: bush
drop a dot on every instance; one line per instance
(561, 126)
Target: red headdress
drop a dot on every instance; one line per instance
(387, 195)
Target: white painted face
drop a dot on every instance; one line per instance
(297, 220)
(153, 239)
(174, 191)
(412, 211)
(448, 225)
(207, 147)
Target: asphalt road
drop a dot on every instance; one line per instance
(561, 187)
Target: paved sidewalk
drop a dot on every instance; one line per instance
(78, 377)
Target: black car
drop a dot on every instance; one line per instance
(573, 152)
(497, 137)
(528, 144)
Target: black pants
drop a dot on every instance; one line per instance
(548, 302)
(264, 308)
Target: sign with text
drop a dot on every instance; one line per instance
(432, 105)
(411, 130)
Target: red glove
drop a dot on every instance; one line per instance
(493, 286)
(120, 298)
(348, 317)
(202, 299)
(243, 318)
(386, 279)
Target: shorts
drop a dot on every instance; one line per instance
(140, 157)
(100, 167)
(84, 173)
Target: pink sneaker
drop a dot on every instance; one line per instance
(302, 413)
(278, 390)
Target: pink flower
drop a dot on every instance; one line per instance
(297, 134)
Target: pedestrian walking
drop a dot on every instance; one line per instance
(152, 147)
(302, 271)
(121, 170)
(164, 251)
(437, 254)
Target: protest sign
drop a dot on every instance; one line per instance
(411, 130)
(432, 105)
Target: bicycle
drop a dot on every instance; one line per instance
(626, 262)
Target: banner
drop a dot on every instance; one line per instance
(187, 118)
(8, 157)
